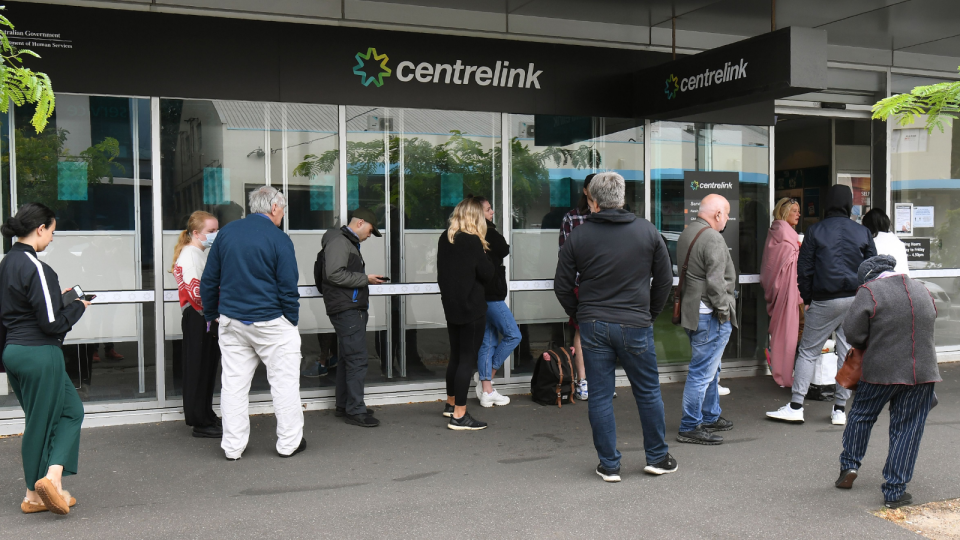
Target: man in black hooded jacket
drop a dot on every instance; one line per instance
(830, 256)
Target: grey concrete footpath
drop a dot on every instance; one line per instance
(530, 475)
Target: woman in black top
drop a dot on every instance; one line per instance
(462, 270)
(33, 322)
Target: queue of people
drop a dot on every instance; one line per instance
(240, 304)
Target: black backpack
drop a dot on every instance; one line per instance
(553, 382)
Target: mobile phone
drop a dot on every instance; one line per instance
(89, 297)
(384, 278)
(72, 294)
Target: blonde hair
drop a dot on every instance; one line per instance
(782, 209)
(196, 223)
(468, 218)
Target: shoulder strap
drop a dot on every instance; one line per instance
(686, 261)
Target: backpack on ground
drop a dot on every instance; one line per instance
(553, 381)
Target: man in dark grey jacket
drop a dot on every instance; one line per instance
(708, 312)
(343, 281)
(625, 278)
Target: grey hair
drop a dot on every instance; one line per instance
(263, 198)
(607, 190)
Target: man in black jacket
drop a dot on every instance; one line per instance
(345, 288)
(617, 255)
(830, 256)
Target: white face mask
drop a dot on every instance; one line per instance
(209, 241)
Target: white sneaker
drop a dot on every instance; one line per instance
(493, 399)
(722, 390)
(581, 390)
(787, 414)
(838, 418)
(476, 380)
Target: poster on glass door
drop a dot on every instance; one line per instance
(699, 184)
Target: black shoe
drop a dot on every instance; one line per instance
(342, 411)
(699, 436)
(447, 410)
(362, 420)
(219, 422)
(301, 448)
(847, 476)
(208, 432)
(465, 423)
(904, 500)
(666, 465)
(608, 475)
(722, 424)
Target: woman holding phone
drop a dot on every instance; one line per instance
(35, 318)
(200, 351)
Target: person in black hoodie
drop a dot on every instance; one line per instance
(831, 253)
(463, 270)
(500, 321)
(33, 321)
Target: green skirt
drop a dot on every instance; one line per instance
(52, 408)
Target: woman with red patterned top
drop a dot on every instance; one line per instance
(200, 351)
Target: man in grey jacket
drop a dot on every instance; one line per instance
(625, 278)
(708, 312)
(342, 279)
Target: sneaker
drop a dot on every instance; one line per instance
(314, 371)
(847, 476)
(447, 410)
(301, 448)
(723, 390)
(667, 465)
(904, 500)
(113, 355)
(493, 399)
(787, 414)
(465, 423)
(581, 390)
(699, 436)
(479, 386)
(362, 420)
(838, 418)
(340, 412)
(96, 357)
(608, 475)
(332, 362)
(722, 424)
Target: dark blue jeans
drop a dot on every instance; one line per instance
(602, 344)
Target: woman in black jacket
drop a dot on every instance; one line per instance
(33, 322)
(500, 321)
(462, 270)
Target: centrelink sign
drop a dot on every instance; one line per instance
(373, 67)
(779, 64)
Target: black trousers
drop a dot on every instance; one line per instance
(200, 354)
(465, 342)
(351, 328)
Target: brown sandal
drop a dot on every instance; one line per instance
(53, 499)
(28, 507)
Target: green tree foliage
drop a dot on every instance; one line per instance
(22, 85)
(939, 102)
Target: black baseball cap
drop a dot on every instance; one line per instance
(367, 215)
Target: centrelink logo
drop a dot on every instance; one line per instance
(729, 72)
(673, 85)
(372, 68)
(710, 185)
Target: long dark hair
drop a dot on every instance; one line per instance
(877, 221)
(582, 205)
(28, 218)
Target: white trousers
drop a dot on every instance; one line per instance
(276, 343)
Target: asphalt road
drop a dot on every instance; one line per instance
(530, 475)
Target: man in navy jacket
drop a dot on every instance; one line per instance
(250, 285)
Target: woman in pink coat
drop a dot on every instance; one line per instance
(778, 275)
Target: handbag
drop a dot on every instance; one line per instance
(683, 275)
(852, 369)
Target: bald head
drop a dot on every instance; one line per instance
(715, 210)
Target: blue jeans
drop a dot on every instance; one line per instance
(701, 401)
(602, 344)
(500, 321)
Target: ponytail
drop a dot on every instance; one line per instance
(194, 223)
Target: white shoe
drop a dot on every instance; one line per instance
(722, 390)
(838, 418)
(787, 414)
(581, 391)
(476, 379)
(493, 399)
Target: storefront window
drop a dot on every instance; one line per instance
(733, 161)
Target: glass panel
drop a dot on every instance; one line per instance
(680, 149)
(85, 166)
(543, 326)
(311, 144)
(925, 173)
(946, 296)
